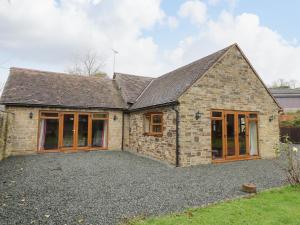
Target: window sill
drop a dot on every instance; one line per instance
(154, 135)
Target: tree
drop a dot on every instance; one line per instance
(90, 64)
(282, 83)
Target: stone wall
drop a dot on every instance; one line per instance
(126, 144)
(232, 85)
(3, 121)
(162, 148)
(22, 136)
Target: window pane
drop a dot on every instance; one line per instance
(253, 138)
(48, 134)
(230, 135)
(83, 130)
(217, 140)
(146, 124)
(48, 114)
(157, 118)
(99, 133)
(242, 133)
(156, 129)
(216, 114)
(100, 115)
(253, 115)
(68, 130)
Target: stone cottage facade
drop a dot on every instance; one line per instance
(213, 110)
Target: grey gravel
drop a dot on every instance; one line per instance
(109, 187)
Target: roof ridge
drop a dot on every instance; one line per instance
(51, 72)
(182, 82)
(196, 61)
(144, 90)
(133, 75)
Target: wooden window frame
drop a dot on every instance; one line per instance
(151, 124)
(75, 135)
(237, 156)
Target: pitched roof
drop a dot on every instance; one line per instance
(131, 86)
(289, 102)
(285, 91)
(167, 88)
(287, 98)
(40, 88)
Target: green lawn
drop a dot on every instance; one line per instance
(276, 206)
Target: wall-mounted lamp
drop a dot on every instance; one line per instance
(115, 117)
(198, 115)
(271, 118)
(30, 115)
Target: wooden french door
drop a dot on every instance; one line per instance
(72, 131)
(230, 134)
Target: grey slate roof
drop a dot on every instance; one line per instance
(131, 86)
(286, 97)
(285, 91)
(167, 88)
(33, 87)
(40, 88)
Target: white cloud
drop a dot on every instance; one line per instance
(195, 10)
(52, 32)
(172, 22)
(272, 55)
(48, 35)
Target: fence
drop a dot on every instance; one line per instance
(292, 132)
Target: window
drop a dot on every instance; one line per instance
(100, 116)
(216, 114)
(48, 133)
(99, 130)
(72, 130)
(153, 124)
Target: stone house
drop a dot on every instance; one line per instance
(213, 110)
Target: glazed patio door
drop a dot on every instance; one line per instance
(72, 131)
(234, 134)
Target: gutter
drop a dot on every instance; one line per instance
(177, 137)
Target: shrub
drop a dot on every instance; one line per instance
(289, 160)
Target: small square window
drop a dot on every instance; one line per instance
(153, 124)
(156, 118)
(253, 115)
(216, 114)
(49, 114)
(100, 116)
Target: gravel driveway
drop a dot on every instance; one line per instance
(106, 187)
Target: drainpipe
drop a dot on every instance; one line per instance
(177, 136)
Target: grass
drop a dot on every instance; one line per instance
(272, 207)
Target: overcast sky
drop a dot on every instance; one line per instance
(151, 36)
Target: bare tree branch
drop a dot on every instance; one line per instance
(89, 64)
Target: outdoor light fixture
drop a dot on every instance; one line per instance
(271, 118)
(198, 115)
(30, 115)
(115, 117)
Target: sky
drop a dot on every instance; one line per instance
(152, 37)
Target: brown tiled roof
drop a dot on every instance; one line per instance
(167, 88)
(40, 88)
(131, 86)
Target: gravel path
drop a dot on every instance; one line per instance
(108, 187)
